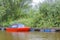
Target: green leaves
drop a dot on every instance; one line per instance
(48, 14)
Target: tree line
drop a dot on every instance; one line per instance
(19, 11)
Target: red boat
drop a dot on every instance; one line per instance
(26, 29)
(18, 28)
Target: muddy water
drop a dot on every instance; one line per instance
(29, 36)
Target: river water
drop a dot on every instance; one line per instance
(29, 36)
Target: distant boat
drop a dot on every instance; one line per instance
(18, 28)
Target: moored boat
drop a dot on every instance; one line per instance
(17, 28)
(26, 29)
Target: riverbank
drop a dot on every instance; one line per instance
(38, 29)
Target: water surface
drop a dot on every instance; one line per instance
(29, 36)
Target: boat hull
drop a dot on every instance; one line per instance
(17, 29)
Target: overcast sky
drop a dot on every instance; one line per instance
(36, 2)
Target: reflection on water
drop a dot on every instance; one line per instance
(29, 36)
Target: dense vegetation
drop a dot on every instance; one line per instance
(19, 11)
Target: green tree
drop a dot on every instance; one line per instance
(49, 15)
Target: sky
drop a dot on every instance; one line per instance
(36, 2)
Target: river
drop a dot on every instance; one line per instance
(29, 35)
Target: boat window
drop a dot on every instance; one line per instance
(14, 26)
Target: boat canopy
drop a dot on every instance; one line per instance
(17, 26)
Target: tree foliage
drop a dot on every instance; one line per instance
(19, 11)
(11, 10)
(49, 15)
